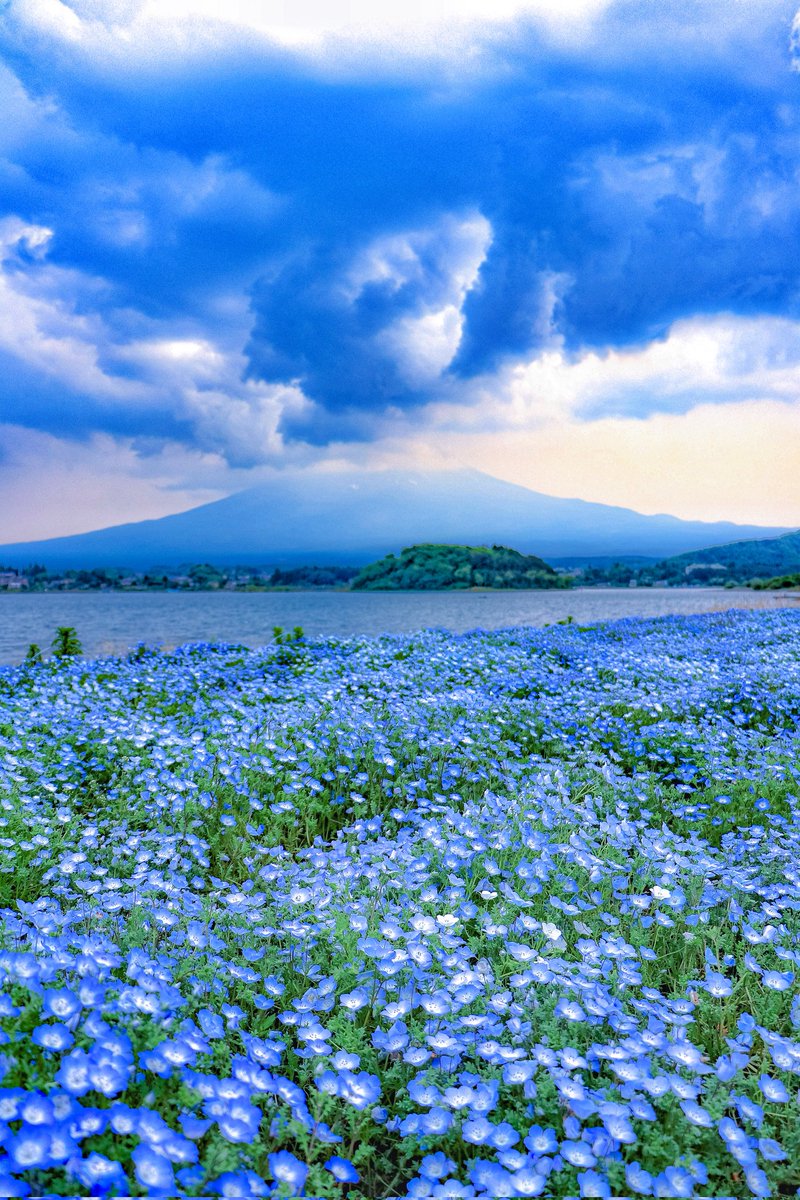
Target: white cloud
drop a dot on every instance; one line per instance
(123, 31)
(40, 321)
(712, 429)
(362, 36)
(720, 359)
(180, 372)
(441, 264)
(425, 345)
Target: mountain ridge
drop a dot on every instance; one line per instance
(359, 516)
(751, 557)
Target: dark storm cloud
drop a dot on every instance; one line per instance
(651, 174)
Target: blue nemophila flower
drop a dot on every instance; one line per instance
(423, 1093)
(503, 1136)
(717, 985)
(590, 1183)
(577, 1154)
(638, 1179)
(771, 1150)
(60, 1003)
(287, 1169)
(748, 1110)
(355, 1000)
(36, 1109)
(144, 921)
(757, 1182)
(570, 1010)
(435, 1121)
(541, 1141)
(675, 1181)
(436, 1166)
(458, 1097)
(773, 1090)
(393, 1040)
(73, 1074)
(696, 1114)
(54, 1037)
(153, 1171)
(477, 1131)
(194, 1127)
(342, 1169)
(528, 1181)
(30, 1148)
(342, 1061)
(778, 981)
(238, 1184)
(99, 1174)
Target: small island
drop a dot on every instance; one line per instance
(443, 568)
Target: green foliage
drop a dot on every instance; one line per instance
(776, 582)
(432, 568)
(141, 651)
(312, 577)
(206, 576)
(66, 643)
(291, 651)
(284, 638)
(34, 654)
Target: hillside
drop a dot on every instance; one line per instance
(354, 517)
(444, 568)
(739, 561)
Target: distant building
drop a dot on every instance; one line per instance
(711, 568)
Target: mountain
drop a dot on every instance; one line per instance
(358, 516)
(760, 558)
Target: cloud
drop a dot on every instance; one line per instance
(372, 328)
(222, 242)
(52, 487)
(720, 360)
(76, 366)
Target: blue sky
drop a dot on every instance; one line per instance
(561, 245)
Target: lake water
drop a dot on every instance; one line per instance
(110, 623)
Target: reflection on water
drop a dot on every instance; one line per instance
(109, 623)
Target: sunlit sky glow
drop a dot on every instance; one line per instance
(555, 240)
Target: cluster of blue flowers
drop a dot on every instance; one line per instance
(504, 914)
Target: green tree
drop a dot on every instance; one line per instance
(203, 575)
(66, 643)
(34, 654)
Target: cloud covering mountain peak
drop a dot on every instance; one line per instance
(223, 242)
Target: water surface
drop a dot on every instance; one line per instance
(112, 622)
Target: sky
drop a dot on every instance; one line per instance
(555, 240)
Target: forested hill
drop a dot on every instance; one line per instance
(747, 559)
(432, 567)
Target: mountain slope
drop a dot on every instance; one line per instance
(762, 557)
(358, 516)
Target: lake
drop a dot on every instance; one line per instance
(111, 622)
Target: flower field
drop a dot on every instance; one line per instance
(503, 914)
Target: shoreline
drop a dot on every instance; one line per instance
(788, 593)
